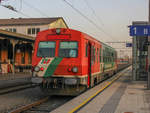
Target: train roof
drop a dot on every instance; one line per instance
(99, 41)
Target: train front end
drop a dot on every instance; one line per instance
(56, 62)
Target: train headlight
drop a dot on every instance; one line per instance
(75, 69)
(37, 68)
(58, 30)
(70, 81)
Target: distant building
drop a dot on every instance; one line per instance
(31, 26)
(17, 38)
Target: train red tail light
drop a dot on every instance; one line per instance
(42, 69)
(69, 69)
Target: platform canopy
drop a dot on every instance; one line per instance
(15, 36)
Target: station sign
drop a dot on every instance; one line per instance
(139, 30)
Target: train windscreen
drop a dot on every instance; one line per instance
(46, 49)
(68, 49)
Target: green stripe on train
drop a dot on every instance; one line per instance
(52, 67)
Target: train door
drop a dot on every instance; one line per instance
(89, 65)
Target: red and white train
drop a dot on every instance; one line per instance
(67, 62)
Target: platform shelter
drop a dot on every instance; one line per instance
(140, 55)
(15, 52)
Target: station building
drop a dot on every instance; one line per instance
(17, 39)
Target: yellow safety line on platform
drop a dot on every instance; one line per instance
(91, 97)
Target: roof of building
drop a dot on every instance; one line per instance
(28, 21)
(140, 23)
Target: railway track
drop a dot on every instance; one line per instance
(16, 88)
(44, 105)
(27, 107)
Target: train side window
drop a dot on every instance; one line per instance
(97, 54)
(100, 55)
(93, 54)
(112, 57)
(103, 56)
(86, 50)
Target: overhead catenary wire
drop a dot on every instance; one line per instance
(14, 10)
(29, 5)
(19, 11)
(88, 19)
(93, 11)
(36, 9)
(24, 14)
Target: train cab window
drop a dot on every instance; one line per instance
(68, 49)
(46, 49)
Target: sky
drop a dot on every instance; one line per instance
(112, 17)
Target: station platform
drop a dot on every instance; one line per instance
(10, 80)
(121, 96)
(11, 76)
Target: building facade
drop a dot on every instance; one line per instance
(31, 26)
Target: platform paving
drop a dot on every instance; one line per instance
(11, 76)
(123, 96)
(7, 80)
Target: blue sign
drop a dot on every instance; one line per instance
(128, 44)
(140, 30)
